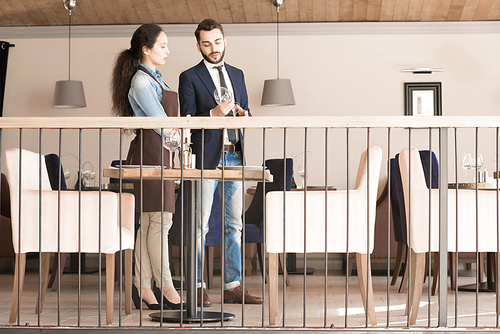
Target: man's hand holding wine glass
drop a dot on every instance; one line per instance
(225, 104)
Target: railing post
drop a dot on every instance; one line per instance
(443, 227)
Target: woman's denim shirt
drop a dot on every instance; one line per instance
(145, 94)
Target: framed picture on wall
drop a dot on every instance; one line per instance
(422, 98)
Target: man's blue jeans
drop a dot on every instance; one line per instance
(232, 222)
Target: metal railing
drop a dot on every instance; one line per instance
(327, 148)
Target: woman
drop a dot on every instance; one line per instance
(139, 90)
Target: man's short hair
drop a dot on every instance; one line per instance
(207, 25)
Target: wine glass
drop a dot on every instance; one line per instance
(476, 165)
(224, 97)
(171, 140)
(301, 172)
(67, 172)
(479, 162)
(466, 164)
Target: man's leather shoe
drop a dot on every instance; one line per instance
(206, 301)
(236, 296)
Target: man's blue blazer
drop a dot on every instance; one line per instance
(196, 97)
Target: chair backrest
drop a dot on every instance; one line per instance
(5, 200)
(430, 167)
(59, 221)
(424, 235)
(360, 225)
(253, 215)
(30, 163)
(6, 247)
(55, 172)
(362, 176)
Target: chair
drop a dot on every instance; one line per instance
(212, 238)
(362, 206)
(25, 225)
(254, 214)
(6, 248)
(417, 221)
(399, 221)
(398, 210)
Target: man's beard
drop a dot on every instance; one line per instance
(210, 60)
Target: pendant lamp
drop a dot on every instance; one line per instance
(69, 93)
(277, 92)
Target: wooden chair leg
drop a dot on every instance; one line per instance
(55, 269)
(406, 273)
(494, 257)
(365, 278)
(417, 283)
(453, 270)
(399, 262)
(435, 277)
(273, 287)
(128, 281)
(260, 251)
(494, 266)
(248, 267)
(110, 287)
(253, 262)
(482, 265)
(283, 268)
(18, 277)
(44, 280)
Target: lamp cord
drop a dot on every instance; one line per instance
(278, 41)
(69, 48)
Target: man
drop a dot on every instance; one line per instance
(196, 95)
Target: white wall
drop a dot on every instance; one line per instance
(336, 69)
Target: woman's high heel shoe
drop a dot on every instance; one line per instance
(166, 303)
(137, 300)
(173, 306)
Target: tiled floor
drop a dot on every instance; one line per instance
(292, 317)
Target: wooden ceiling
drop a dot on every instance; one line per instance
(16, 13)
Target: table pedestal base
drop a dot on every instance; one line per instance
(489, 285)
(175, 316)
(483, 287)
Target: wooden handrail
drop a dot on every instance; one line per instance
(249, 122)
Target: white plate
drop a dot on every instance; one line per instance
(241, 168)
(137, 166)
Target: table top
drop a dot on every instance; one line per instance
(187, 174)
(472, 186)
(252, 190)
(116, 186)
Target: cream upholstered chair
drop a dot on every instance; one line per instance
(25, 225)
(417, 220)
(362, 207)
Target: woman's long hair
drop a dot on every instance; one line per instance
(126, 65)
